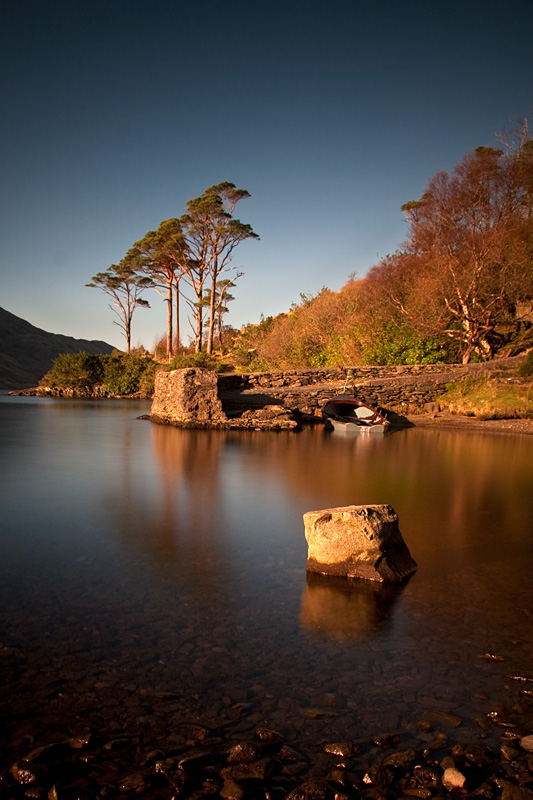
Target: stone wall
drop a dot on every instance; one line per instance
(187, 396)
(399, 387)
(311, 377)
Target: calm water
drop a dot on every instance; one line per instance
(151, 575)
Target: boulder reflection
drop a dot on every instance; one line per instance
(340, 609)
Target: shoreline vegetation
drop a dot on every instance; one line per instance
(502, 403)
(458, 289)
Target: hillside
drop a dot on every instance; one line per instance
(27, 352)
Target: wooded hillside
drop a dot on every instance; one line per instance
(460, 288)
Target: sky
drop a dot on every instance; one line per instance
(330, 113)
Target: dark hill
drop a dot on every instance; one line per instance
(27, 353)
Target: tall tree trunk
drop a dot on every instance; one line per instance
(199, 328)
(177, 314)
(128, 316)
(169, 318)
(211, 331)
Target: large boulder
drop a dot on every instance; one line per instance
(187, 397)
(358, 542)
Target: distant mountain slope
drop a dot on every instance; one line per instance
(27, 353)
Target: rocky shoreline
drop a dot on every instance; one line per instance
(440, 419)
(235, 762)
(79, 394)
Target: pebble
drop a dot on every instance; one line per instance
(344, 749)
(267, 768)
(236, 757)
(442, 717)
(242, 753)
(386, 739)
(231, 790)
(453, 779)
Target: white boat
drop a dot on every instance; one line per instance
(345, 414)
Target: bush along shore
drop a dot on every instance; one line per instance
(495, 396)
(97, 376)
(236, 761)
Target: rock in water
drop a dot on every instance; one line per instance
(187, 396)
(358, 542)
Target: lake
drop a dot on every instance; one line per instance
(152, 575)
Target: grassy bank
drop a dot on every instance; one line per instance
(487, 398)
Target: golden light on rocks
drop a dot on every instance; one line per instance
(358, 542)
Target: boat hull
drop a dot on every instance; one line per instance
(350, 428)
(344, 414)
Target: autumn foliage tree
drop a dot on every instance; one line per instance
(468, 258)
(319, 331)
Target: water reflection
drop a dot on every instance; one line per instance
(174, 517)
(188, 467)
(451, 491)
(214, 497)
(341, 609)
(177, 560)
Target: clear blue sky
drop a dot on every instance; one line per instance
(331, 113)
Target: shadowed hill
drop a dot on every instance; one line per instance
(27, 353)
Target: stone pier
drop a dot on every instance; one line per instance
(189, 398)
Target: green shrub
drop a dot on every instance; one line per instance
(146, 382)
(203, 360)
(117, 373)
(398, 345)
(125, 374)
(74, 370)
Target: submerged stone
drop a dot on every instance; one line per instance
(453, 779)
(358, 542)
(242, 753)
